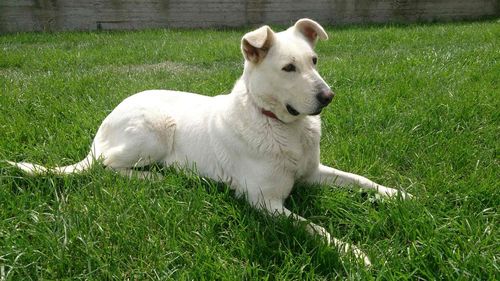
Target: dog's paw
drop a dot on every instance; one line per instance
(406, 195)
(351, 251)
(361, 256)
(394, 193)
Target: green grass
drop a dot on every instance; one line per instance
(417, 108)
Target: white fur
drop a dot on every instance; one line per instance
(227, 137)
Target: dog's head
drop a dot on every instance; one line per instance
(280, 70)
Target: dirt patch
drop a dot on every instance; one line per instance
(169, 66)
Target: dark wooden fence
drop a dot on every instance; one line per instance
(54, 15)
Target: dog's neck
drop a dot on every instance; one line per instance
(261, 109)
(242, 89)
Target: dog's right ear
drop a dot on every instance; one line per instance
(256, 44)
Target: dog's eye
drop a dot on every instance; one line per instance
(289, 68)
(315, 60)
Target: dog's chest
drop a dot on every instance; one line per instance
(294, 147)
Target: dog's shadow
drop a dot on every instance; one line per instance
(275, 244)
(278, 244)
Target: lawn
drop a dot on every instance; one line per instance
(417, 108)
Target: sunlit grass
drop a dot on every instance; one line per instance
(417, 108)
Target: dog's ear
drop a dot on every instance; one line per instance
(311, 30)
(256, 44)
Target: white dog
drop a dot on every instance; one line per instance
(260, 139)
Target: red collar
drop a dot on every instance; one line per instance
(269, 114)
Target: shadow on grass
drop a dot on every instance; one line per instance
(276, 245)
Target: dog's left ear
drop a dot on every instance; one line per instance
(256, 44)
(311, 30)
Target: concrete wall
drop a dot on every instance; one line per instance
(54, 15)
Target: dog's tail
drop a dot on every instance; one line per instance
(34, 169)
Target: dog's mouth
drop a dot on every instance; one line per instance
(294, 111)
(317, 112)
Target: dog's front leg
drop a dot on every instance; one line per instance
(277, 208)
(330, 176)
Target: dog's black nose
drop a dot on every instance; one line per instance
(325, 97)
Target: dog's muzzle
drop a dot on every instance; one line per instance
(324, 97)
